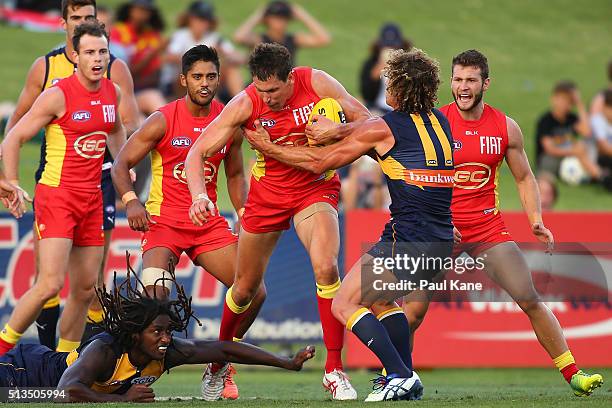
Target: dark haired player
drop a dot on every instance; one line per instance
(280, 98)
(413, 147)
(167, 230)
(120, 364)
(80, 118)
(484, 137)
(45, 72)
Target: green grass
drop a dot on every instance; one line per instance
(530, 45)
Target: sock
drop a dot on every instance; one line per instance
(231, 317)
(46, 323)
(395, 322)
(333, 330)
(66, 346)
(372, 333)
(93, 326)
(566, 365)
(8, 339)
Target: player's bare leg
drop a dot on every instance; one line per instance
(318, 230)
(52, 257)
(415, 308)
(94, 312)
(83, 267)
(46, 323)
(160, 259)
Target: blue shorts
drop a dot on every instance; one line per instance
(108, 201)
(32, 365)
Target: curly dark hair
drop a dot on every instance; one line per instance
(472, 58)
(156, 22)
(270, 59)
(127, 311)
(413, 80)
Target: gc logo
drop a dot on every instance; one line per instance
(472, 175)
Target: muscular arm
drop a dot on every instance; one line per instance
(200, 351)
(317, 35)
(327, 86)
(128, 108)
(31, 90)
(234, 172)
(49, 105)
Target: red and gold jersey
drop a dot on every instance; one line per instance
(286, 127)
(479, 150)
(169, 196)
(76, 142)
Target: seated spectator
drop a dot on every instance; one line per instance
(363, 185)
(601, 123)
(597, 105)
(557, 130)
(139, 31)
(275, 17)
(372, 82)
(199, 25)
(549, 194)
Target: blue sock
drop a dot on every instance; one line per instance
(372, 333)
(398, 329)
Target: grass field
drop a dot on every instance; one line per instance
(530, 45)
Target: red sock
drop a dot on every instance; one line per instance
(5, 347)
(229, 323)
(333, 335)
(568, 371)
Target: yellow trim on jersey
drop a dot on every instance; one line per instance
(54, 156)
(496, 190)
(72, 357)
(431, 158)
(446, 147)
(392, 168)
(59, 67)
(156, 196)
(124, 370)
(259, 168)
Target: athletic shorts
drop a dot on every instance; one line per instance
(267, 211)
(72, 214)
(32, 365)
(108, 201)
(186, 237)
(482, 234)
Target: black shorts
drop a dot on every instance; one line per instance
(108, 201)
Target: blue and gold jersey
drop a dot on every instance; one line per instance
(419, 170)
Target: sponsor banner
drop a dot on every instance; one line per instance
(478, 332)
(288, 315)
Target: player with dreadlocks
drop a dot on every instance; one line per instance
(133, 352)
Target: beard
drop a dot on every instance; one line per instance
(199, 100)
(477, 99)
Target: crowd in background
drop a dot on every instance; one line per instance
(573, 141)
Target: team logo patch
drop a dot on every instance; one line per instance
(91, 145)
(267, 122)
(149, 379)
(181, 142)
(472, 175)
(81, 116)
(457, 144)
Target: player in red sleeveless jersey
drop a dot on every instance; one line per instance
(167, 229)
(81, 117)
(483, 138)
(280, 99)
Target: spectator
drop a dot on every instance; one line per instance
(199, 25)
(601, 123)
(363, 185)
(597, 105)
(557, 128)
(276, 17)
(372, 82)
(106, 17)
(549, 194)
(139, 30)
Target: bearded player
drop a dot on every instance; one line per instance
(80, 118)
(484, 137)
(45, 72)
(167, 230)
(281, 98)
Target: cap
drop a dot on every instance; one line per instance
(391, 36)
(278, 8)
(202, 10)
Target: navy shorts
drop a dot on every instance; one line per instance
(32, 365)
(108, 201)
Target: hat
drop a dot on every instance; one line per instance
(148, 4)
(202, 10)
(278, 8)
(390, 36)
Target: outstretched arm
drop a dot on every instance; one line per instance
(526, 182)
(200, 351)
(317, 35)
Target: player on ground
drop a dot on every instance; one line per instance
(121, 364)
(80, 117)
(45, 72)
(280, 98)
(167, 229)
(484, 136)
(413, 147)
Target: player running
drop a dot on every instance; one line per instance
(80, 117)
(45, 72)
(167, 229)
(138, 346)
(484, 136)
(413, 147)
(281, 98)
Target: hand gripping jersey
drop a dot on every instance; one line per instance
(479, 150)
(169, 196)
(76, 142)
(286, 127)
